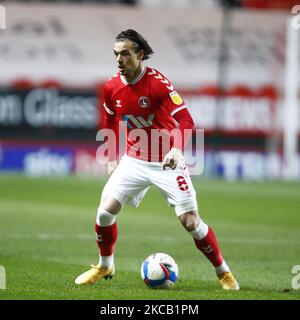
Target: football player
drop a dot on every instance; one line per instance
(144, 98)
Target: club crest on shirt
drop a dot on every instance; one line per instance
(175, 97)
(144, 102)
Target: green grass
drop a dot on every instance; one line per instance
(47, 239)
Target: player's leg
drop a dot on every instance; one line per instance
(206, 241)
(126, 184)
(177, 187)
(106, 230)
(106, 236)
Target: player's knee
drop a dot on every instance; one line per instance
(105, 218)
(190, 220)
(111, 205)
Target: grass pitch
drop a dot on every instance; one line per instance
(47, 239)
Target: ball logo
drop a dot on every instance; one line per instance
(182, 185)
(144, 102)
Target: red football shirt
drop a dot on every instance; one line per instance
(149, 102)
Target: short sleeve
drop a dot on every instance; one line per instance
(107, 103)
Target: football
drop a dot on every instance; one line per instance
(159, 270)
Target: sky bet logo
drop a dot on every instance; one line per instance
(2, 18)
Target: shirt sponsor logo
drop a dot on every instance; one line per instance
(138, 122)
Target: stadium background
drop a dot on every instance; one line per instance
(56, 56)
(226, 58)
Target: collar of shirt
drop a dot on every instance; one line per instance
(137, 79)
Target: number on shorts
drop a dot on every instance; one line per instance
(182, 184)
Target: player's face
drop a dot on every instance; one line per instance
(128, 61)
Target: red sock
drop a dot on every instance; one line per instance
(209, 246)
(106, 238)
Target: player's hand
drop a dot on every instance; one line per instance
(171, 158)
(111, 166)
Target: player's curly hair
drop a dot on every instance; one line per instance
(138, 40)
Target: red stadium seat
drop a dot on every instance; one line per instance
(22, 84)
(50, 83)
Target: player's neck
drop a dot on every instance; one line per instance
(135, 74)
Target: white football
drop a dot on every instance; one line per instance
(159, 270)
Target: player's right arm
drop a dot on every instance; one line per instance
(110, 121)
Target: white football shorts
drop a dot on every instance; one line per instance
(133, 177)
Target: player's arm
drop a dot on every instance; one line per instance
(185, 127)
(182, 135)
(177, 108)
(110, 121)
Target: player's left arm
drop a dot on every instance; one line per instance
(181, 138)
(178, 110)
